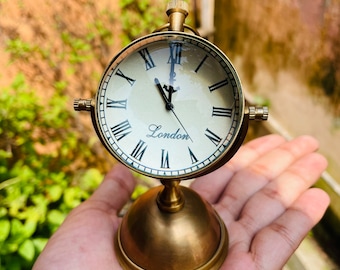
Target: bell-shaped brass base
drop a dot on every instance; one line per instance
(192, 237)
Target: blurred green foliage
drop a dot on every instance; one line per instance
(47, 165)
(36, 189)
(140, 18)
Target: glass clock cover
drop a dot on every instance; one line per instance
(170, 106)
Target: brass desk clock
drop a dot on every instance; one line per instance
(170, 106)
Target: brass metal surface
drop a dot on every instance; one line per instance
(171, 198)
(82, 104)
(192, 238)
(177, 11)
(258, 113)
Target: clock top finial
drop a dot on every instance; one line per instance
(177, 11)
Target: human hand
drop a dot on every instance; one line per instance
(261, 194)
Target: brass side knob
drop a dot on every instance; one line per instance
(258, 113)
(82, 104)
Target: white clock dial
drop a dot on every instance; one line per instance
(170, 105)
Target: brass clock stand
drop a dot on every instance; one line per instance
(171, 226)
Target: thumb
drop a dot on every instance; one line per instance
(116, 188)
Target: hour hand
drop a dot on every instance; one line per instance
(168, 104)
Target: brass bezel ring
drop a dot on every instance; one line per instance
(187, 27)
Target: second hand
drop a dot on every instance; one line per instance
(179, 121)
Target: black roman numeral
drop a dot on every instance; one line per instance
(192, 156)
(139, 150)
(212, 137)
(147, 58)
(129, 80)
(175, 53)
(121, 130)
(118, 104)
(225, 112)
(201, 63)
(218, 85)
(165, 160)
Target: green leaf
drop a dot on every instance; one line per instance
(8, 247)
(72, 197)
(5, 154)
(32, 215)
(30, 227)
(54, 192)
(55, 217)
(3, 212)
(20, 231)
(17, 229)
(91, 179)
(39, 199)
(27, 250)
(40, 244)
(5, 228)
(60, 85)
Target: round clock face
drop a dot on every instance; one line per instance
(169, 106)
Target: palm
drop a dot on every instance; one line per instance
(263, 197)
(261, 194)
